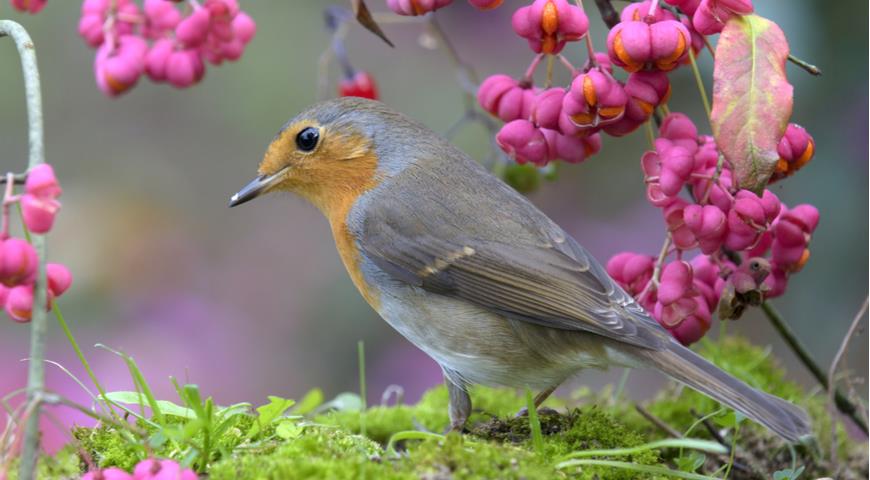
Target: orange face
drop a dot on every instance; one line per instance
(329, 168)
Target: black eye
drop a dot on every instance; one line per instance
(306, 140)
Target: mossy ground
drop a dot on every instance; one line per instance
(498, 444)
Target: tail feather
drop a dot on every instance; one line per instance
(783, 418)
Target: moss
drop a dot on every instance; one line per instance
(108, 447)
(319, 452)
(498, 445)
(63, 464)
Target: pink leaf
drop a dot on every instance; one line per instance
(752, 99)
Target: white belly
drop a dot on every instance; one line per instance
(486, 348)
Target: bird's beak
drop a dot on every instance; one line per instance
(257, 187)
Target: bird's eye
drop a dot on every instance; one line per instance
(306, 140)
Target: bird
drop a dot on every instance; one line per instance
(469, 270)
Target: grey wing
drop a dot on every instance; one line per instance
(520, 265)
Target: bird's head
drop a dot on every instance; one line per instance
(333, 152)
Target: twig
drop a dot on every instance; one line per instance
(808, 67)
(672, 432)
(608, 13)
(844, 405)
(700, 83)
(658, 422)
(16, 179)
(36, 368)
(841, 352)
(711, 429)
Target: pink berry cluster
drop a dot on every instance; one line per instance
(749, 244)
(422, 7)
(546, 124)
(18, 258)
(160, 40)
(150, 469)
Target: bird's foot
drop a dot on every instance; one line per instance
(541, 411)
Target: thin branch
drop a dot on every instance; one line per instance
(608, 13)
(808, 67)
(39, 321)
(832, 372)
(16, 179)
(658, 422)
(844, 405)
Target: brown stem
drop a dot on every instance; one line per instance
(844, 405)
(808, 67)
(608, 14)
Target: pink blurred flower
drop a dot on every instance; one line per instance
(153, 469)
(29, 6)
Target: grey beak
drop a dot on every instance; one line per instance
(256, 187)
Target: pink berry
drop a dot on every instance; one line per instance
(244, 27)
(157, 58)
(639, 11)
(686, 6)
(634, 45)
(548, 24)
(416, 7)
(796, 149)
(710, 16)
(505, 98)
(184, 68)
(17, 262)
(547, 108)
(678, 126)
(676, 280)
(117, 68)
(631, 270)
(595, 98)
(161, 15)
(38, 212)
(41, 181)
(486, 4)
(19, 303)
(59, 278)
(192, 30)
(523, 142)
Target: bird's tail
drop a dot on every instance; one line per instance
(684, 365)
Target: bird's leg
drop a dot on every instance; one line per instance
(460, 405)
(539, 399)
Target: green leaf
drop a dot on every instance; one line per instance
(788, 473)
(167, 407)
(730, 419)
(690, 462)
(311, 400)
(752, 99)
(268, 413)
(288, 429)
(343, 402)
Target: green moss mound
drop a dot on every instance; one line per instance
(329, 442)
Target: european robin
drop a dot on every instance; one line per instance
(469, 270)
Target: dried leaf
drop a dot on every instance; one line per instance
(364, 17)
(752, 99)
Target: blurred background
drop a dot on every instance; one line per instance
(254, 301)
